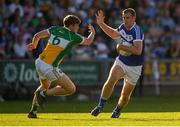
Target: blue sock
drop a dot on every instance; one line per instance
(118, 109)
(34, 109)
(102, 102)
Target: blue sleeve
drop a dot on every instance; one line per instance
(138, 34)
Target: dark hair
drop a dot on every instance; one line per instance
(129, 10)
(71, 20)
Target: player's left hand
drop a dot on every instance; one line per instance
(91, 29)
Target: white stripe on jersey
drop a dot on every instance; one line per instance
(138, 32)
(63, 42)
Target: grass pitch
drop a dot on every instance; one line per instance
(148, 111)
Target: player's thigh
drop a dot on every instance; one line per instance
(65, 82)
(127, 89)
(115, 73)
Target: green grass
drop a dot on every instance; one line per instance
(147, 111)
(84, 119)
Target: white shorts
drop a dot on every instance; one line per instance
(131, 73)
(47, 71)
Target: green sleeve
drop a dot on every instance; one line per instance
(78, 38)
(52, 28)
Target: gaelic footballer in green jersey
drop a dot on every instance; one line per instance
(61, 40)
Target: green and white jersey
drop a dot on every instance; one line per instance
(60, 42)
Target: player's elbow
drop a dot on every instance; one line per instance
(114, 35)
(87, 42)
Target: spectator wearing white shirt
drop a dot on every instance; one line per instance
(20, 49)
(101, 49)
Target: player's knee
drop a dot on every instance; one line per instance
(43, 87)
(110, 83)
(72, 89)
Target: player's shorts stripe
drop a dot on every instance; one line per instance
(56, 73)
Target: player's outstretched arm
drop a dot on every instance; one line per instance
(90, 38)
(111, 32)
(36, 38)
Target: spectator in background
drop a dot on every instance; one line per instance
(16, 5)
(32, 14)
(101, 50)
(15, 21)
(82, 53)
(3, 11)
(166, 40)
(20, 48)
(59, 8)
(29, 10)
(3, 41)
(167, 20)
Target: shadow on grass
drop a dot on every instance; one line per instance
(150, 119)
(110, 119)
(75, 119)
(145, 104)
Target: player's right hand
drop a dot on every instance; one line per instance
(100, 17)
(31, 46)
(91, 29)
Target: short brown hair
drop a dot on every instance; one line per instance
(129, 10)
(71, 20)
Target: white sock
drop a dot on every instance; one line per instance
(42, 93)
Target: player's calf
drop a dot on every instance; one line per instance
(41, 98)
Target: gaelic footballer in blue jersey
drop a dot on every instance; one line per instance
(128, 65)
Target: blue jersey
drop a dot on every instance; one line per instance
(127, 38)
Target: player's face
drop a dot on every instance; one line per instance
(128, 20)
(75, 27)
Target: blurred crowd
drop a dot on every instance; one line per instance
(21, 19)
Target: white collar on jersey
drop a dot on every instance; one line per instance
(133, 25)
(67, 28)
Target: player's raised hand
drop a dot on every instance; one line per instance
(91, 29)
(31, 46)
(100, 17)
(90, 38)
